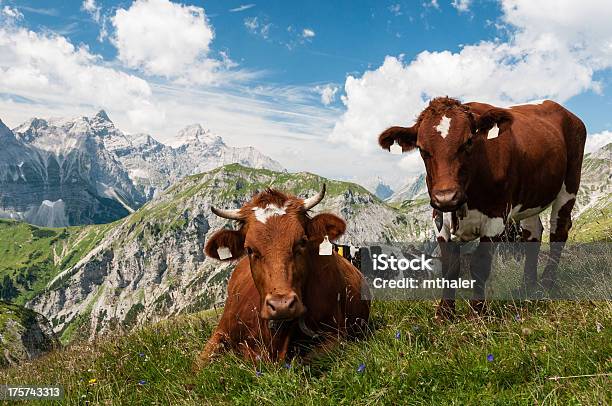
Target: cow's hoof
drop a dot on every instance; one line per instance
(445, 310)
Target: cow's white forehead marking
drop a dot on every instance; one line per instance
(444, 126)
(493, 132)
(262, 214)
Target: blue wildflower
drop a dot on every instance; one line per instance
(141, 354)
(361, 368)
(398, 335)
(490, 358)
(287, 365)
(142, 382)
(258, 373)
(517, 317)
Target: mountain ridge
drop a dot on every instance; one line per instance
(71, 171)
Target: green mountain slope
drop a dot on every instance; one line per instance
(31, 256)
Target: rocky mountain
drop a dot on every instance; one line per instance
(151, 264)
(416, 188)
(592, 213)
(60, 172)
(383, 191)
(24, 334)
(153, 166)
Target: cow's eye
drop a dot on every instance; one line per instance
(300, 244)
(252, 253)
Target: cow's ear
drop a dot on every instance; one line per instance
(487, 122)
(226, 245)
(325, 224)
(406, 137)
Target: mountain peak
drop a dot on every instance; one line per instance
(102, 116)
(5, 132)
(196, 134)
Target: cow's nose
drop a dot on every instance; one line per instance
(282, 307)
(447, 199)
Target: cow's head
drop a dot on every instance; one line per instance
(281, 240)
(445, 134)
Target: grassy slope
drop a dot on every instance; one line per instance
(595, 224)
(429, 363)
(38, 254)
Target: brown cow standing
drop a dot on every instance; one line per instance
(487, 166)
(283, 294)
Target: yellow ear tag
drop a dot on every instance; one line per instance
(396, 149)
(325, 248)
(224, 253)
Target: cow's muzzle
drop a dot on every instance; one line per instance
(447, 200)
(282, 307)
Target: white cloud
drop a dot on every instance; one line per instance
(46, 68)
(11, 13)
(308, 33)
(257, 27)
(241, 8)
(328, 93)
(462, 5)
(92, 9)
(596, 141)
(553, 51)
(395, 9)
(166, 39)
(432, 3)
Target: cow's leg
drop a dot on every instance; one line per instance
(532, 236)
(480, 268)
(560, 224)
(450, 271)
(216, 345)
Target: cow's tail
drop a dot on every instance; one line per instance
(575, 138)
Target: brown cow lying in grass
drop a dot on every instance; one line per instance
(283, 297)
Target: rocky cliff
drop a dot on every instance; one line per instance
(24, 334)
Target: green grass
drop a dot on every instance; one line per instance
(595, 224)
(32, 256)
(430, 363)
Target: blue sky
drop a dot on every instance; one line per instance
(318, 77)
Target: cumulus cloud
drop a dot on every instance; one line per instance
(461, 5)
(328, 93)
(166, 39)
(92, 9)
(596, 141)
(11, 13)
(553, 50)
(48, 67)
(308, 33)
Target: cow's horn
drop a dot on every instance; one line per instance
(314, 200)
(233, 214)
